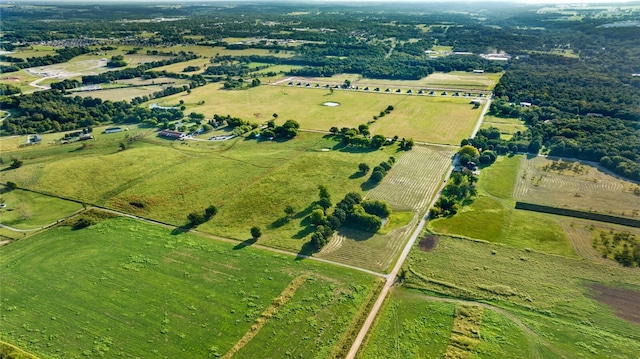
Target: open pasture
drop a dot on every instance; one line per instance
(21, 79)
(33, 51)
(28, 210)
(168, 295)
(492, 216)
(166, 180)
(429, 119)
(553, 296)
(576, 185)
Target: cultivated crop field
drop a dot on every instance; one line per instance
(27, 210)
(492, 216)
(429, 119)
(557, 298)
(167, 295)
(576, 185)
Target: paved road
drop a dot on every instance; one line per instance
(392, 276)
(486, 107)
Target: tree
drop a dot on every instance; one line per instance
(11, 185)
(318, 217)
(16, 163)
(256, 233)
(324, 192)
(469, 150)
(364, 168)
(325, 203)
(377, 176)
(289, 211)
(377, 141)
(334, 130)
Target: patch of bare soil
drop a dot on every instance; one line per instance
(625, 302)
(428, 243)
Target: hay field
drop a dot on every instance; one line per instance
(492, 216)
(413, 325)
(169, 295)
(408, 188)
(576, 185)
(429, 119)
(553, 296)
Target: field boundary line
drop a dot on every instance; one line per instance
(288, 293)
(4, 345)
(198, 233)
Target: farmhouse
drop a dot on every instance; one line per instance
(172, 134)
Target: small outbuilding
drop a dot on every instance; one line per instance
(172, 134)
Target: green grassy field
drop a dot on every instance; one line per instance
(172, 179)
(492, 216)
(429, 119)
(413, 325)
(28, 210)
(125, 288)
(410, 327)
(553, 296)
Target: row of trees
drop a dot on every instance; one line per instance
(62, 55)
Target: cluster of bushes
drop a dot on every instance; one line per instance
(459, 191)
(117, 61)
(8, 89)
(381, 170)
(470, 155)
(196, 218)
(289, 129)
(351, 211)
(191, 69)
(623, 247)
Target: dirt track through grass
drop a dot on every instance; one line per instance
(268, 313)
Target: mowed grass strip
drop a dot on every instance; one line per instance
(123, 287)
(465, 334)
(272, 310)
(492, 216)
(28, 210)
(550, 294)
